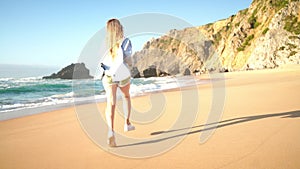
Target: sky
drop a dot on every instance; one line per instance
(54, 32)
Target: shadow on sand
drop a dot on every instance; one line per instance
(229, 122)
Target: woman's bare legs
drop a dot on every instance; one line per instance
(126, 103)
(111, 91)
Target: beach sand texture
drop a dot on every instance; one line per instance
(259, 128)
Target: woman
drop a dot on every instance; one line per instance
(117, 74)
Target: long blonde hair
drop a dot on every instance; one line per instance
(114, 35)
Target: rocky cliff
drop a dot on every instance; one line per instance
(73, 71)
(265, 35)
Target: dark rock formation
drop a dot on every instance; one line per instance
(187, 72)
(73, 71)
(135, 73)
(150, 72)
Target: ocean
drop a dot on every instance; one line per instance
(21, 96)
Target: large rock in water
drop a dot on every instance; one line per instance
(73, 71)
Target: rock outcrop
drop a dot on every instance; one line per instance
(265, 35)
(135, 73)
(150, 72)
(73, 71)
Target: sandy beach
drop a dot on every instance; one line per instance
(258, 128)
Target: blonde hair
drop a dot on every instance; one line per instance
(114, 35)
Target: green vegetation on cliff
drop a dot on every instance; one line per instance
(292, 25)
(246, 43)
(279, 4)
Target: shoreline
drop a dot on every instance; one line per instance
(207, 79)
(27, 111)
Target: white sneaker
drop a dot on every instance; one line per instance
(129, 127)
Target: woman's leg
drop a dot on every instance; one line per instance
(110, 107)
(126, 102)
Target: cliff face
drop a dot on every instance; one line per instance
(265, 35)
